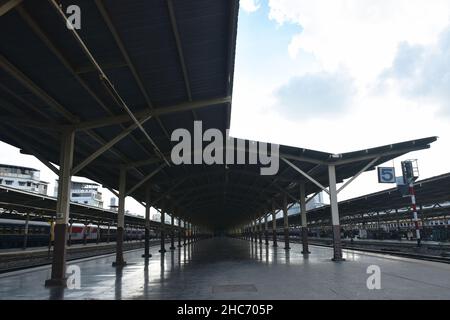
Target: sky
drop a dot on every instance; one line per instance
(336, 76)
(345, 75)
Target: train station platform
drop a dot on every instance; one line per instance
(227, 268)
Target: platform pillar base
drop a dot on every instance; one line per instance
(56, 283)
(119, 264)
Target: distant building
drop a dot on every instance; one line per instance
(84, 193)
(23, 178)
(112, 204)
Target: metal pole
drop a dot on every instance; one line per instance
(266, 229)
(303, 218)
(70, 233)
(25, 232)
(172, 233)
(121, 218)
(162, 227)
(286, 223)
(179, 233)
(184, 232)
(335, 214)
(147, 225)
(260, 230)
(414, 208)
(58, 276)
(274, 226)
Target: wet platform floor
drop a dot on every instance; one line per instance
(225, 268)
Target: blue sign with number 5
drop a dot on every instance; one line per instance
(386, 175)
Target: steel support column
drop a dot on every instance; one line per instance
(25, 233)
(335, 214)
(58, 276)
(286, 223)
(162, 228)
(121, 219)
(184, 233)
(253, 232)
(266, 229)
(172, 232)
(260, 230)
(179, 233)
(147, 225)
(274, 226)
(303, 218)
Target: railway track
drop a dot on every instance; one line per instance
(406, 250)
(428, 252)
(18, 260)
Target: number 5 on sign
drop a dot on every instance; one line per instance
(386, 175)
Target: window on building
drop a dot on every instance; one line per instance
(28, 184)
(9, 182)
(85, 202)
(22, 183)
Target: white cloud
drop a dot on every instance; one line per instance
(361, 35)
(421, 72)
(315, 95)
(250, 5)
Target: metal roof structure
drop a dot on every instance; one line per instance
(125, 81)
(429, 192)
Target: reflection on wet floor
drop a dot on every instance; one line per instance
(203, 269)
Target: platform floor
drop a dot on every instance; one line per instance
(224, 268)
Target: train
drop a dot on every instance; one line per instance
(40, 233)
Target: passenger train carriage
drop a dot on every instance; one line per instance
(40, 233)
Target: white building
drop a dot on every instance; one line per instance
(156, 217)
(112, 204)
(84, 193)
(23, 178)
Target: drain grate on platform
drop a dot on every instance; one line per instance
(234, 288)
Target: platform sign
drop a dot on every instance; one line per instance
(386, 175)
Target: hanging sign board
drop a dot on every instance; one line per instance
(386, 175)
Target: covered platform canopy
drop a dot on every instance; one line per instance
(102, 102)
(172, 60)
